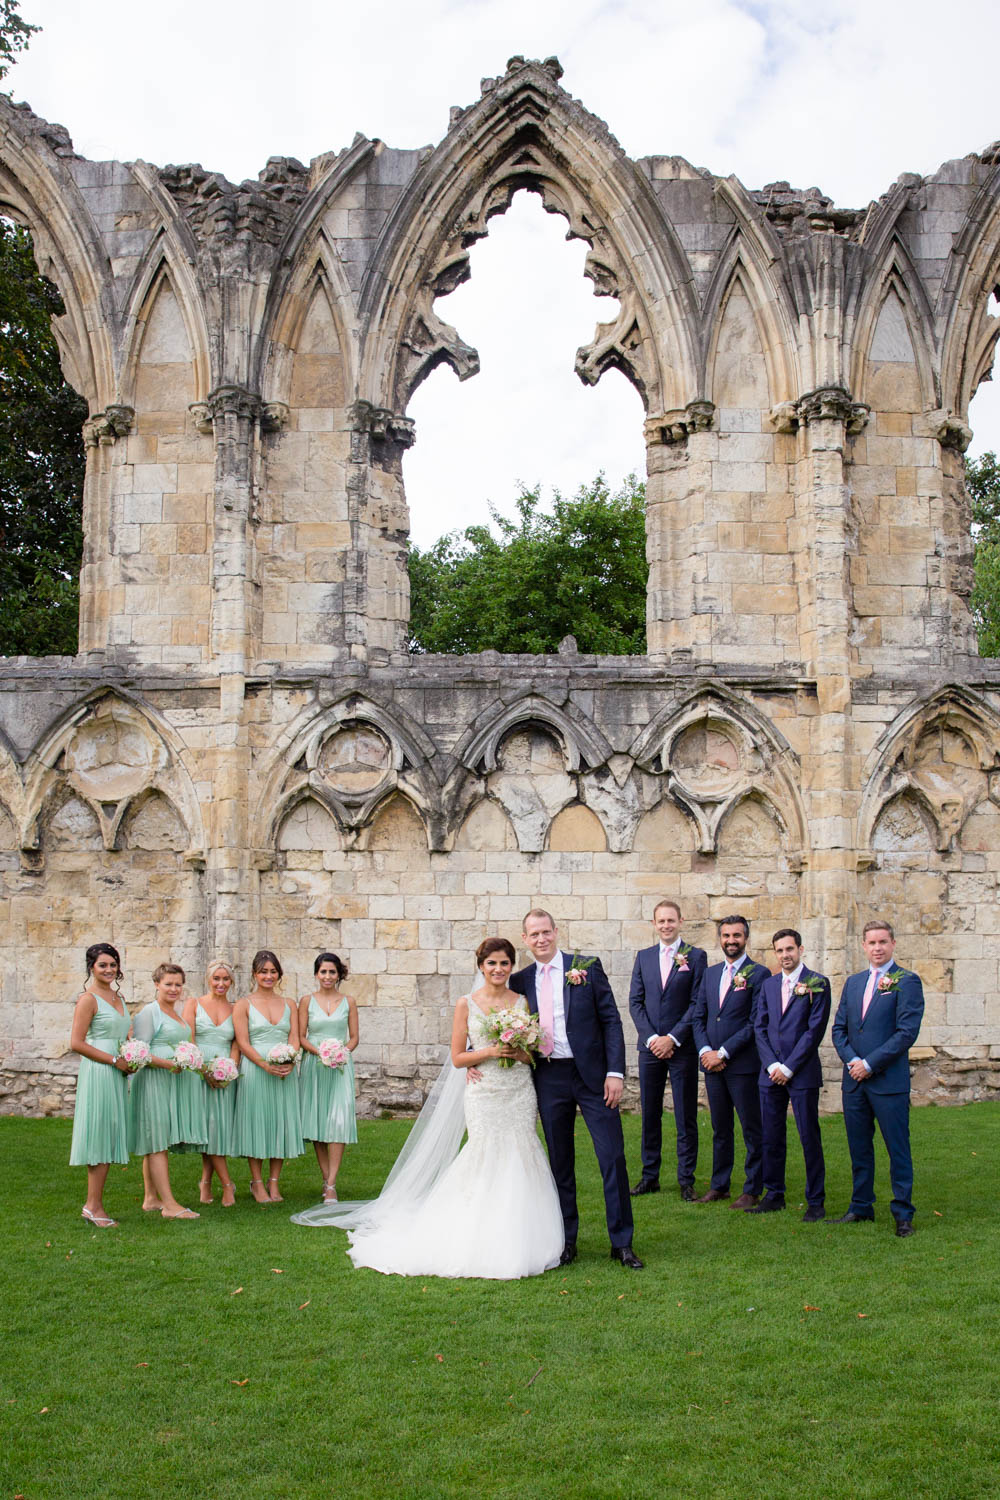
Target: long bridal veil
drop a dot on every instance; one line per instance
(430, 1148)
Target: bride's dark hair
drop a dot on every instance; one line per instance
(494, 945)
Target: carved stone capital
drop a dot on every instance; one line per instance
(274, 416)
(107, 426)
(382, 425)
(677, 426)
(225, 401)
(784, 417)
(831, 403)
(950, 431)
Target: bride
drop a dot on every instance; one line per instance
(490, 1209)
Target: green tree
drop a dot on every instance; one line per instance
(41, 464)
(982, 478)
(579, 570)
(15, 34)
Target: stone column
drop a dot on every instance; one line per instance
(377, 585)
(679, 452)
(106, 474)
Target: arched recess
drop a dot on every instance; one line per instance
(486, 828)
(396, 827)
(350, 756)
(293, 330)
(943, 757)
(585, 746)
(892, 363)
(967, 331)
(110, 752)
(37, 191)
(746, 270)
(577, 829)
(526, 132)
(165, 324)
(714, 748)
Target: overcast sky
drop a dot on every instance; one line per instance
(845, 95)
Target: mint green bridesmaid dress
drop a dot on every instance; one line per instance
(219, 1104)
(326, 1095)
(100, 1117)
(162, 1111)
(267, 1107)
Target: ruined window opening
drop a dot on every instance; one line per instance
(42, 463)
(525, 423)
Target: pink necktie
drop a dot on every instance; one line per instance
(545, 1001)
(786, 993)
(727, 975)
(666, 964)
(869, 992)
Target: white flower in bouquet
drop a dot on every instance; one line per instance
(189, 1057)
(135, 1054)
(520, 1029)
(333, 1053)
(221, 1071)
(281, 1054)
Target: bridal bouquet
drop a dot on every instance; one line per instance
(333, 1053)
(188, 1057)
(135, 1053)
(520, 1029)
(281, 1054)
(221, 1071)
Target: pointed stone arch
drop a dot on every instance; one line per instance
(161, 273)
(893, 312)
(748, 265)
(526, 132)
(584, 746)
(967, 331)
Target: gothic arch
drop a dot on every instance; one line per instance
(157, 765)
(37, 191)
(747, 261)
(526, 132)
(946, 796)
(160, 267)
(968, 331)
(584, 746)
(895, 275)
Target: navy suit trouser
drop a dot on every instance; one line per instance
(561, 1090)
(774, 1117)
(892, 1111)
(729, 1092)
(682, 1072)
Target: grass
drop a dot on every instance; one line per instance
(753, 1356)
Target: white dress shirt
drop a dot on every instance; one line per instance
(732, 965)
(793, 979)
(560, 1041)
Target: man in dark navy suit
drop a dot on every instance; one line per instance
(876, 1024)
(724, 1006)
(792, 1012)
(585, 1069)
(660, 998)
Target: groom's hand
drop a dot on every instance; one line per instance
(613, 1090)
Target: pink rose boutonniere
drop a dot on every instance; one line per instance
(889, 982)
(681, 958)
(811, 986)
(741, 977)
(577, 971)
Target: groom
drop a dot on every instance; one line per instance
(586, 1068)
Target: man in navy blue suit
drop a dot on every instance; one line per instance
(876, 1024)
(724, 1006)
(660, 997)
(585, 1069)
(792, 1013)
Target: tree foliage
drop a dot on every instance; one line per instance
(982, 478)
(41, 463)
(15, 34)
(578, 570)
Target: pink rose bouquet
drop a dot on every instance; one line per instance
(221, 1071)
(333, 1054)
(520, 1029)
(281, 1054)
(188, 1057)
(135, 1054)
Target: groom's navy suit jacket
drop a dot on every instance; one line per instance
(886, 1034)
(660, 1012)
(732, 1026)
(593, 1025)
(792, 1038)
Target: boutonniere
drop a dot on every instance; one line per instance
(742, 975)
(681, 958)
(577, 971)
(811, 986)
(889, 982)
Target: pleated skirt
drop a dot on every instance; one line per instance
(100, 1118)
(267, 1121)
(326, 1099)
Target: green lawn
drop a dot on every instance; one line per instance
(753, 1356)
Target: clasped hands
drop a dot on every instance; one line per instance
(713, 1062)
(662, 1047)
(858, 1069)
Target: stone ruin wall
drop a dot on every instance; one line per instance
(243, 752)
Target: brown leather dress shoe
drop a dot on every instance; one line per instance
(745, 1201)
(712, 1196)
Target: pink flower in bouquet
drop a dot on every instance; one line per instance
(188, 1056)
(281, 1054)
(221, 1071)
(135, 1054)
(333, 1054)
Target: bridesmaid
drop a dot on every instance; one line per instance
(211, 1020)
(160, 1113)
(267, 1104)
(100, 1120)
(326, 1095)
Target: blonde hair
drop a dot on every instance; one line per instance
(220, 963)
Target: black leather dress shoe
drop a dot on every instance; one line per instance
(568, 1254)
(769, 1204)
(627, 1256)
(813, 1215)
(687, 1192)
(904, 1227)
(850, 1218)
(645, 1186)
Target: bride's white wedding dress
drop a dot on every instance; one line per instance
(492, 1210)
